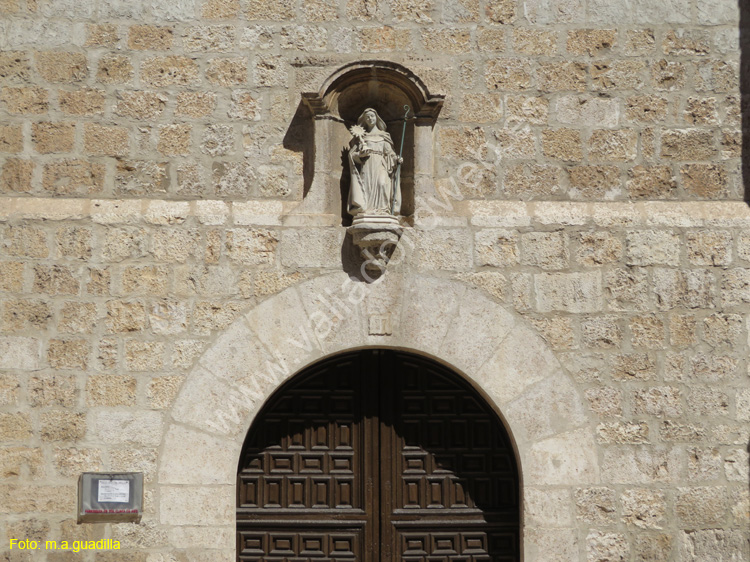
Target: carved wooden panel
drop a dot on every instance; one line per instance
(464, 545)
(455, 482)
(307, 453)
(377, 456)
(308, 546)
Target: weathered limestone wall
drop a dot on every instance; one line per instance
(606, 99)
(632, 321)
(588, 192)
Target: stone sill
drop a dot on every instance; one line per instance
(474, 213)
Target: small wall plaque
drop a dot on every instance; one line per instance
(110, 497)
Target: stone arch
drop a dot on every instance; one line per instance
(444, 319)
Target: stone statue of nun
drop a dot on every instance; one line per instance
(375, 182)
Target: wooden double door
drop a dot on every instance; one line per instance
(373, 456)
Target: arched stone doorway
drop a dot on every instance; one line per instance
(377, 455)
(455, 323)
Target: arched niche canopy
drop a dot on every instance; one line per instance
(386, 87)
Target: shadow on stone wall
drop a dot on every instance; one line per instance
(344, 184)
(745, 93)
(299, 138)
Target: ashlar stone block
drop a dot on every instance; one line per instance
(607, 547)
(63, 425)
(644, 508)
(547, 507)
(596, 505)
(548, 250)
(564, 459)
(623, 433)
(642, 464)
(194, 505)
(550, 406)
(579, 110)
(19, 461)
(653, 547)
(569, 292)
(22, 353)
(494, 247)
(202, 537)
(15, 426)
(311, 247)
(714, 545)
(653, 247)
(210, 404)
(17, 498)
(278, 320)
(539, 12)
(236, 357)
(251, 246)
(173, 10)
(437, 249)
(71, 462)
(701, 506)
(208, 460)
(550, 545)
(717, 12)
(736, 466)
(126, 427)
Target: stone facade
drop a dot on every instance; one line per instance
(580, 253)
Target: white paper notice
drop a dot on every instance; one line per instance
(114, 491)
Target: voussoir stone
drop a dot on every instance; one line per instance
(430, 306)
(562, 460)
(210, 404)
(333, 313)
(208, 460)
(277, 322)
(521, 360)
(488, 323)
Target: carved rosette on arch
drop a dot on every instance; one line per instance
(373, 126)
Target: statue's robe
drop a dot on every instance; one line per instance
(374, 180)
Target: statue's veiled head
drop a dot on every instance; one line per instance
(370, 119)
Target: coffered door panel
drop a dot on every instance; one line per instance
(448, 467)
(306, 480)
(374, 456)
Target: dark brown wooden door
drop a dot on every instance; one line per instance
(374, 456)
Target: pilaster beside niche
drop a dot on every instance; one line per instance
(377, 211)
(385, 87)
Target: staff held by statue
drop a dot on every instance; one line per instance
(396, 174)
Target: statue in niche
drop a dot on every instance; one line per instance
(375, 169)
(375, 190)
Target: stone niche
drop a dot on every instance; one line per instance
(386, 87)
